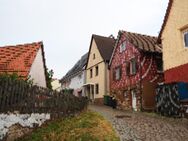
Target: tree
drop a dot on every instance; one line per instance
(49, 76)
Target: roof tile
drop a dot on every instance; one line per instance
(18, 59)
(143, 42)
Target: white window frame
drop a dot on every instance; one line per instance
(123, 46)
(185, 32)
(131, 66)
(118, 73)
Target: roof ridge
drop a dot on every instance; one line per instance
(25, 44)
(102, 36)
(19, 58)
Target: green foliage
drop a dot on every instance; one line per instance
(88, 126)
(67, 91)
(49, 77)
(14, 76)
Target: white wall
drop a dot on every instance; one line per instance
(37, 71)
(77, 82)
(56, 85)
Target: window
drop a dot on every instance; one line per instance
(91, 73)
(159, 64)
(127, 68)
(185, 36)
(96, 70)
(97, 88)
(133, 66)
(123, 46)
(93, 56)
(117, 73)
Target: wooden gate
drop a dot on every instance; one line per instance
(148, 96)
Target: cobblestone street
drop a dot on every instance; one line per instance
(137, 126)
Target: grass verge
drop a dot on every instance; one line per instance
(88, 126)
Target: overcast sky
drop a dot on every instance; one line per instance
(66, 26)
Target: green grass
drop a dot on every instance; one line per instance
(88, 126)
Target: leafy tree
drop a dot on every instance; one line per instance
(49, 76)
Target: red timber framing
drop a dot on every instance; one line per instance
(139, 60)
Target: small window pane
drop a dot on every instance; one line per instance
(94, 56)
(117, 73)
(159, 63)
(97, 88)
(186, 39)
(127, 68)
(96, 70)
(133, 66)
(91, 73)
(123, 46)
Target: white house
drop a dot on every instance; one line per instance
(75, 77)
(26, 60)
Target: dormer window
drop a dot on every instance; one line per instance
(123, 46)
(185, 37)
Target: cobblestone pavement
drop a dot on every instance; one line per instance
(138, 126)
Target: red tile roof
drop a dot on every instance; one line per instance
(18, 59)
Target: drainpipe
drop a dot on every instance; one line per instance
(105, 77)
(141, 100)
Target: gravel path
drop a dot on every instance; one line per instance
(137, 126)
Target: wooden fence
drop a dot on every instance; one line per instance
(17, 95)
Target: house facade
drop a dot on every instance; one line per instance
(97, 72)
(26, 60)
(76, 77)
(56, 85)
(135, 70)
(174, 39)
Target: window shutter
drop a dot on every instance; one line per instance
(114, 74)
(137, 66)
(127, 68)
(120, 72)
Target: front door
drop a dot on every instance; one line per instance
(133, 92)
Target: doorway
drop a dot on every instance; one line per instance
(133, 93)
